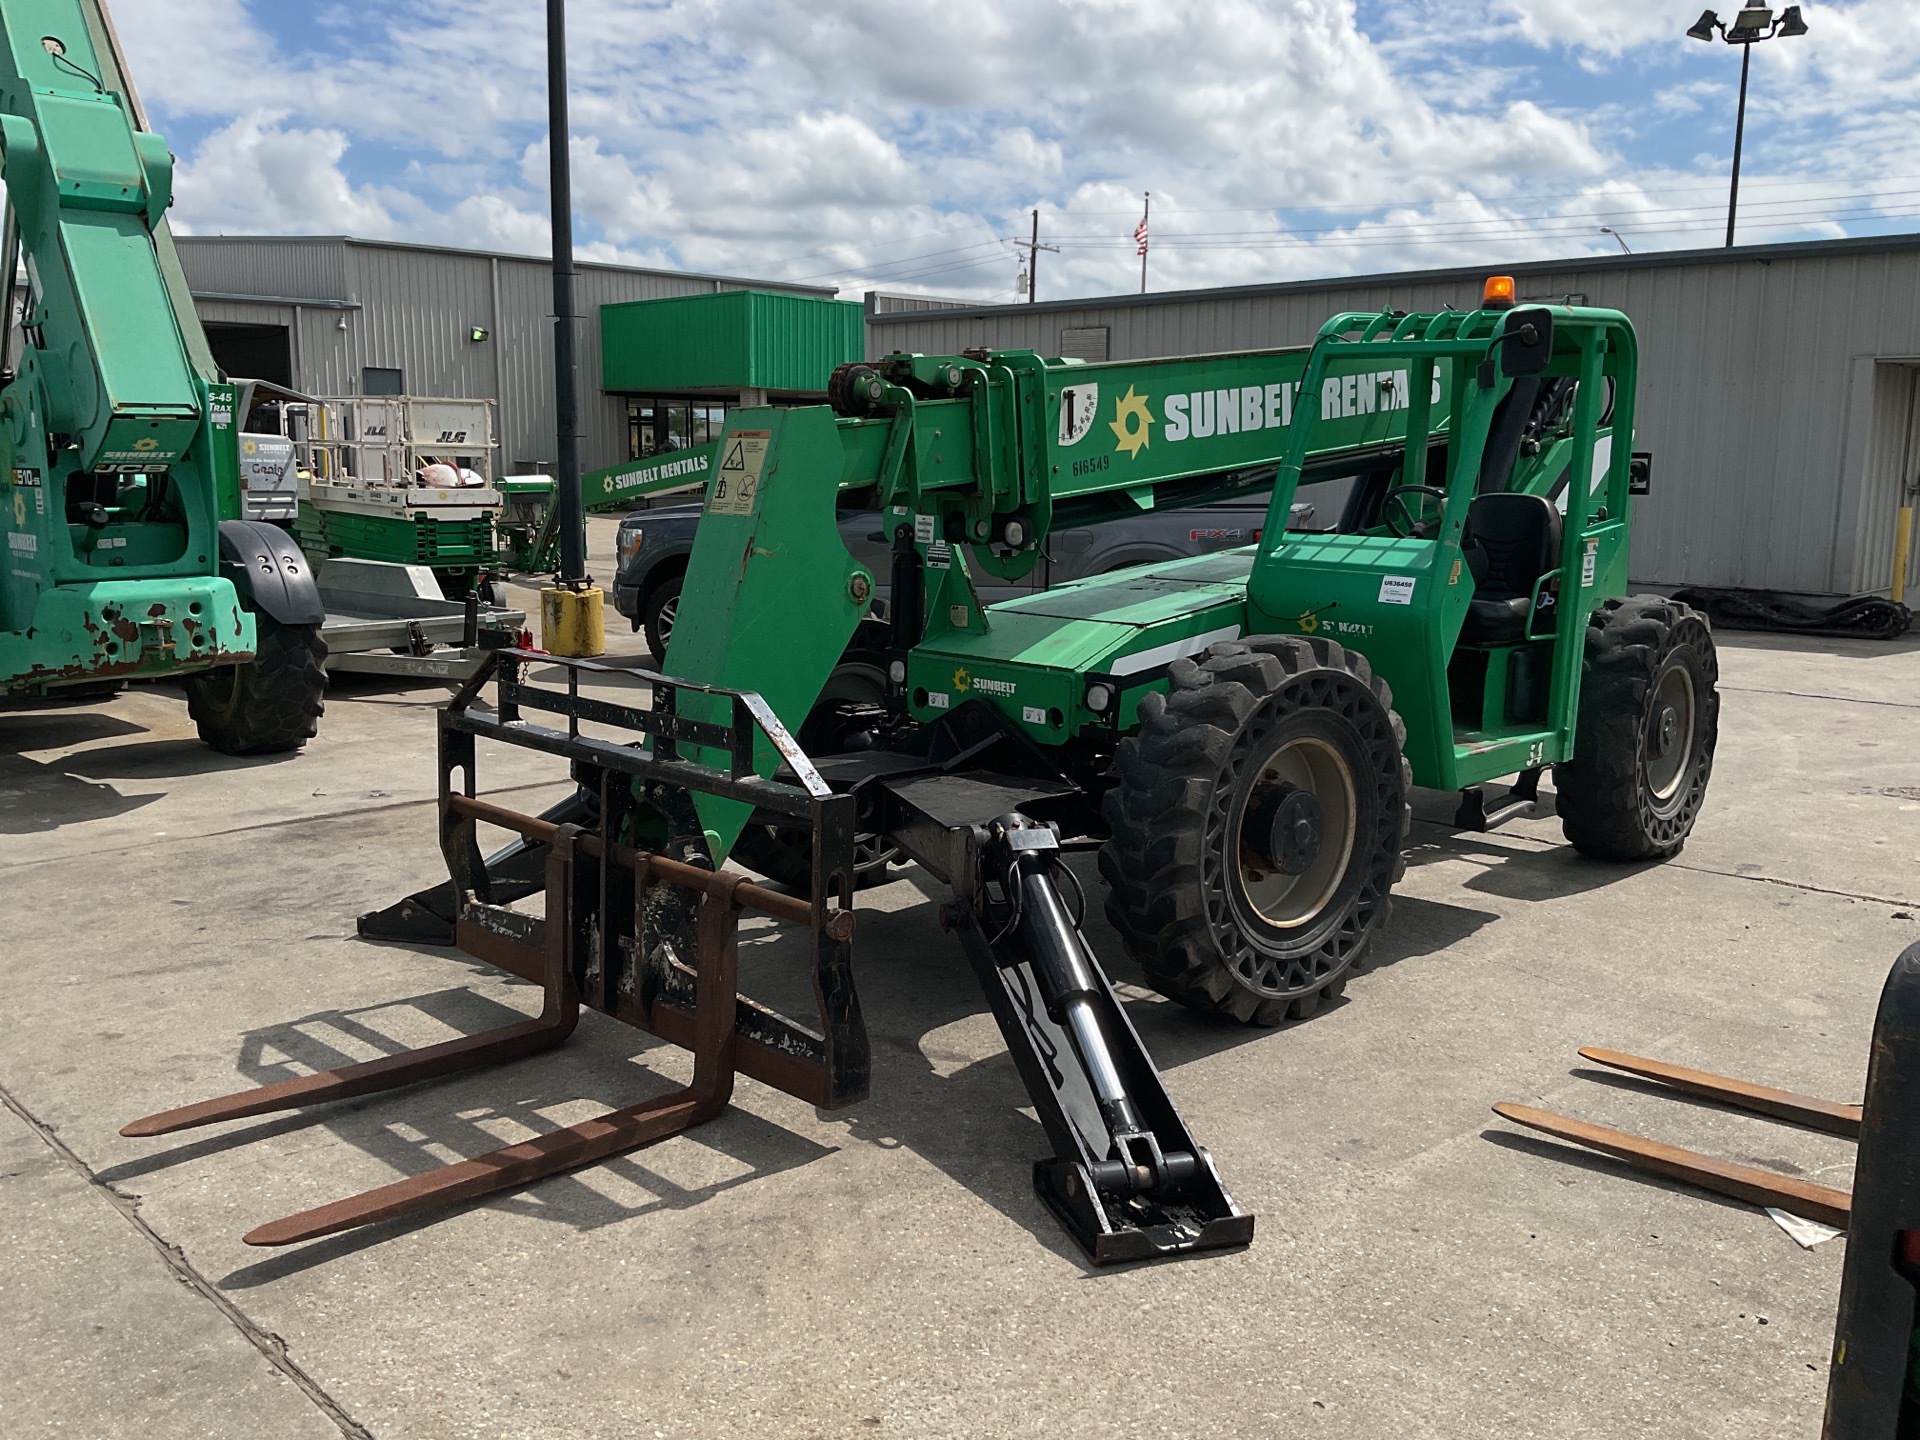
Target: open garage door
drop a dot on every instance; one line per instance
(254, 352)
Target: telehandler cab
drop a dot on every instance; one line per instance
(1236, 734)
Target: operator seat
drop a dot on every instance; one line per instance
(1510, 541)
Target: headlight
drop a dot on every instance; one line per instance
(629, 543)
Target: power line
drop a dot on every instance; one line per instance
(1361, 206)
(1492, 227)
(908, 259)
(1641, 215)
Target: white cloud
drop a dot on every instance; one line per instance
(256, 177)
(902, 146)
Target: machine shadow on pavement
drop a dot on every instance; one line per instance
(944, 1085)
(44, 795)
(423, 1126)
(1510, 871)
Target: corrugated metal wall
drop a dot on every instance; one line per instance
(1757, 385)
(358, 303)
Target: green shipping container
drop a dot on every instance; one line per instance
(734, 340)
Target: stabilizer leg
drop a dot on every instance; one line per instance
(1126, 1178)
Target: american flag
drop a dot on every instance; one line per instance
(1140, 235)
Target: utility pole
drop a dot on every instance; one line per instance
(572, 618)
(1033, 248)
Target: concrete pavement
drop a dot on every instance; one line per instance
(180, 925)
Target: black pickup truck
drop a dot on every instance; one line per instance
(654, 545)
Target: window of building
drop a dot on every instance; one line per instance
(657, 426)
(378, 380)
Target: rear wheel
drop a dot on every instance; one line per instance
(269, 705)
(1257, 827)
(1649, 720)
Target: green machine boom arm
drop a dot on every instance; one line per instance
(989, 452)
(973, 460)
(116, 443)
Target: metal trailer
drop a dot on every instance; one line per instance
(387, 619)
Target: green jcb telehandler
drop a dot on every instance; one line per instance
(1235, 734)
(125, 554)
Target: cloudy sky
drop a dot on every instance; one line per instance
(903, 145)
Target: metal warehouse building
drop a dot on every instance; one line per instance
(1778, 386)
(329, 315)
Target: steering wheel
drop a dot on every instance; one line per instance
(1394, 502)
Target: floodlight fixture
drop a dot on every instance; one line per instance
(1754, 23)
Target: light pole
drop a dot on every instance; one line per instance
(1754, 23)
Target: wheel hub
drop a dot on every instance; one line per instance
(1669, 736)
(1666, 729)
(1285, 828)
(1297, 827)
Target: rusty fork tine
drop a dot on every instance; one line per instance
(389, 1072)
(504, 1169)
(1830, 1116)
(577, 1145)
(1739, 1182)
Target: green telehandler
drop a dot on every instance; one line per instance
(1235, 734)
(125, 554)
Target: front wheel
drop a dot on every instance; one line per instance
(1649, 719)
(1257, 826)
(271, 704)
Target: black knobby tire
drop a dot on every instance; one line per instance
(269, 705)
(657, 615)
(1631, 792)
(1186, 887)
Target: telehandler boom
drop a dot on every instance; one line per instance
(117, 453)
(1236, 734)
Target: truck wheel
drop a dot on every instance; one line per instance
(1649, 719)
(1257, 826)
(656, 615)
(270, 704)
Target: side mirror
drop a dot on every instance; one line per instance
(1528, 341)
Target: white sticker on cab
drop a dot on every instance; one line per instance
(1396, 589)
(1033, 714)
(937, 700)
